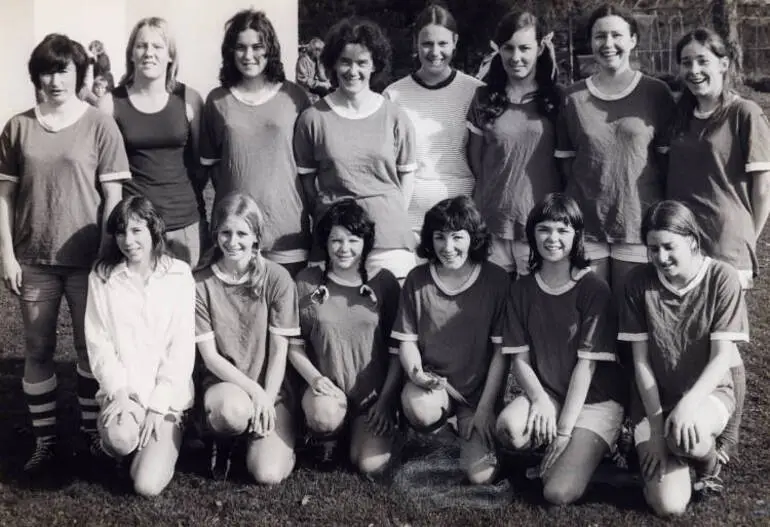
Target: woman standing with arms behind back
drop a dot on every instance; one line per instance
(436, 98)
(159, 119)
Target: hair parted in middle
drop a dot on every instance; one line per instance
(355, 30)
(350, 215)
(161, 26)
(672, 216)
(562, 208)
(243, 20)
(455, 214)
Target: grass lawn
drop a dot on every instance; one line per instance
(311, 497)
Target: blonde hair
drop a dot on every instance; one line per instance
(244, 207)
(162, 27)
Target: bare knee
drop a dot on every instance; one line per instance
(271, 473)
(424, 408)
(121, 439)
(511, 424)
(373, 464)
(481, 474)
(323, 414)
(668, 504)
(228, 409)
(561, 492)
(150, 481)
(697, 451)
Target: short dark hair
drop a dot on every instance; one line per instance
(435, 14)
(612, 10)
(229, 75)
(673, 216)
(349, 214)
(53, 54)
(455, 214)
(557, 207)
(354, 30)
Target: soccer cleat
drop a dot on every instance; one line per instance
(44, 457)
(710, 484)
(221, 452)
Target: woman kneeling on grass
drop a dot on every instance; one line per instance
(139, 326)
(561, 331)
(346, 318)
(683, 314)
(246, 310)
(449, 324)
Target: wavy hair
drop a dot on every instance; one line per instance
(455, 214)
(161, 26)
(354, 30)
(229, 74)
(349, 214)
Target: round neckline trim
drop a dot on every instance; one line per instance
(467, 284)
(345, 114)
(238, 95)
(564, 288)
(51, 125)
(165, 104)
(596, 92)
(443, 84)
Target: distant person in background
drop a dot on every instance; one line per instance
(436, 97)
(101, 63)
(159, 118)
(62, 164)
(247, 131)
(311, 73)
(98, 68)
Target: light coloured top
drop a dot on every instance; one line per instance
(140, 334)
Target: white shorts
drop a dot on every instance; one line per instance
(397, 261)
(510, 255)
(642, 429)
(746, 276)
(622, 252)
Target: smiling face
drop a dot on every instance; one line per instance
(250, 54)
(344, 248)
(451, 248)
(354, 69)
(554, 240)
(136, 241)
(59, 86)
(435, 48)
(672, 254)
(150, 53)
(519, 54)
(612, 42)
(702, 71)
(236, 240)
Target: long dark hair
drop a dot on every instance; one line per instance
(557, 207)
(133, 207)
(229, 75)
(547, 96)
(687, 103)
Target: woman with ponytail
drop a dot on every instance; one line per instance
(512, 139)
(246, 310)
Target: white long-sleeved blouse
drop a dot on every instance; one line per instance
(140, 335)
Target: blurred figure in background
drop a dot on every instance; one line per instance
(310, 73)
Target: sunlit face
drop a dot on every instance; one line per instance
(236, 240)
(150, 54)
(354, 69)
(435, 48)
(344, 248)
(612, 42)
(60, 86)
(100, 88)
(519, 54)
(702, 71)
(452, 248)
(250, 54)
(136, 241)
(674, 255)
(554, 240)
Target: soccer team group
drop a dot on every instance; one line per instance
(379, 259)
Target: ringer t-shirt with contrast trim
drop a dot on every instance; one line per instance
(347, 336)
(711, 169)
(679, 324)
(455, 330)
(437, 113)
(612, 139)
(239, 324)
(58, 174)
(252, 146)
(362, 159)
(558, 326)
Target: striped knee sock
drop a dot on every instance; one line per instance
(41, 400)
(89, 408)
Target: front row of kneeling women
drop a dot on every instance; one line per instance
(456, 325)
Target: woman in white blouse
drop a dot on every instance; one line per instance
(140, 327)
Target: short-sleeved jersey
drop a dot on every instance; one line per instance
(252, 144)
(679, 324)
(612, 140)
(558, 326)
(156, 144)
(710, 169)
(239, 323)
(346, 337)
(454, 330)
(438, 115)
(516, 168)
(58, 174)
(360, 159)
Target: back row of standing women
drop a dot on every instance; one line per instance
(608, 142)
